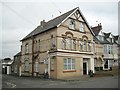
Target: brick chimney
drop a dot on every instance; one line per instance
(42, 23)
(99, 27)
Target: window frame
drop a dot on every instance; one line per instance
(74, 44)
(63, 43)
(82, 27)
(84, 45)
(26, 66)
(72, 24)
(69, 64)
(69, 43)
(27, 48)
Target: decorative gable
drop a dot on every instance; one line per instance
(101, 33)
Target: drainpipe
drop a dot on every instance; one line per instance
(48, 63)
(32, 55)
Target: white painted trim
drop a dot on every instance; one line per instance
(67, 17)
(81, 15)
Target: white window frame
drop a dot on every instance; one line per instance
(69, 64)
(85, 45)
(72, 24)
(82, 27)
(26, 66)
(89, 46)
(64, 43)
(69, 42)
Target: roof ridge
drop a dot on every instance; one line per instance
(62, 14)
(50, 24)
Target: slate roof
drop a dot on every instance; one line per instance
(18, 54)
(116, 37)
(54, 23)
(50, 24)
(96, 29)
(106, 34)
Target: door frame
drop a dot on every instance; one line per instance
(85, 61)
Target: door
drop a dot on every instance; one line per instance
(5, 70)
(84, 68)
(106, 64)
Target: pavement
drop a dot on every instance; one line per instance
(81, 82)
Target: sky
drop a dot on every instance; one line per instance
(20, 17)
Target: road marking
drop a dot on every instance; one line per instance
(11, 84)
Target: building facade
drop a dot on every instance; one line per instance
(63, 47)
(109, 48)
(6, 66)
(16, 64)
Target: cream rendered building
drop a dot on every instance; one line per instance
(63, 47)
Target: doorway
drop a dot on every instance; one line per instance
(84, 68)
(5, 70)
(106, 64)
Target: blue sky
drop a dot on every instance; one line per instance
(21, 17)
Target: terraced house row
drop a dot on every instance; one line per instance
(67, 46)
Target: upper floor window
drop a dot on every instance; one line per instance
(85, 45)
(39, 44)
(35, 46)
(74, 44)
(69, 42)
(105, 49)
(72, 24)
(63, 43)
(89, 46)
(81, 27)
(26, 48)
(52, 41)
(110, 50)
(80, 45)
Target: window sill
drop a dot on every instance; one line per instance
(65, 71)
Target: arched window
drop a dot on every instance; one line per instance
(74, 44)
(80, 45)
(85, 45)
(69, 43)
(63, 43)
(89, 46)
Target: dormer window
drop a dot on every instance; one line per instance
(81, 27)
(101, 38)
(72, 24)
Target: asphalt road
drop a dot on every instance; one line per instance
(30, 82)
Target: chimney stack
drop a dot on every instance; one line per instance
(42, 23)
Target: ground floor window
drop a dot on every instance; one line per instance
(26, 68)
(69, 64)
(36, 66)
